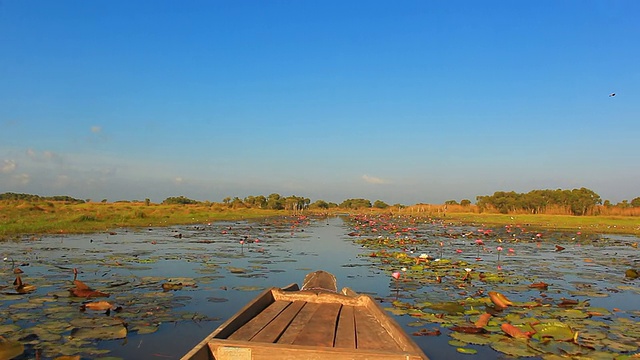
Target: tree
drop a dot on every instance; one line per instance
(635, 202)
(451, 202)
(355, 204)
(465, 202)
(275, 202)
(178, 200)
(319, 204)
(380, 204)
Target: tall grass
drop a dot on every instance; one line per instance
(19, 218)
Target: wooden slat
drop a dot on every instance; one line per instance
(275, 328)
(370, 334)
(251, 328)
(393, 328)
(346, 330)
(298, 323)
(239, 350)
(320, 297)
(321, 328)
(251, 309)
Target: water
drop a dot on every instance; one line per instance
(226, 275)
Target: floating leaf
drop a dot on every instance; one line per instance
(513, 331)
(483, 320)
(555, 330)
(499, 300)
(513, 348)
(467, 351)
(100, 333)
(98, 305)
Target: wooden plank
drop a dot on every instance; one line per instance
(321, 328)
(370, 334)
(253, 326)
(346, 330)
(201, 351)
(300, 321)
(397, 332)
(275, 328)
(320, 297)
(320, 280)
(228, 349)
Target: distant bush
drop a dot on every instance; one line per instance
(30, 197)
(179, 200)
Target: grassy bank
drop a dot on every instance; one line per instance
(19, 219)
(32, 218)
(584, 224)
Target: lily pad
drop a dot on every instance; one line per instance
(100, 333)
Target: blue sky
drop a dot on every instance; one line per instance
(407, 102)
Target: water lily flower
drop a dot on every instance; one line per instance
(395, 275)
(459, 251)
(423, 256)
(467, 275)
(404, 269)
(479, 242)
(499, 248)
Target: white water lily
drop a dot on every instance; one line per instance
(423, 256)
(404, 269)
(468, 269)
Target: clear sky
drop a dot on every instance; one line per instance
(402, 101)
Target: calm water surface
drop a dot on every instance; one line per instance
(227, 274)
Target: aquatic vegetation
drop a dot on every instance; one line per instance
(548, 275)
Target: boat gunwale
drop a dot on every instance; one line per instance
(203, 350)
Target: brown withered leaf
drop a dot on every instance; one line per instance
(425, 332)
(539, 285)
(513, 331)
(468, 329)
(483, 320)
(80, 285)
(97, 305)
(87, 293)
(499, 300)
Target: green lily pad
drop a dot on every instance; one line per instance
(513, 347)
(467, 351)
(100, 333)
(553, 330)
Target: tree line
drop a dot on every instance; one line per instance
(29, 197)
(276, 201)
(581, 201)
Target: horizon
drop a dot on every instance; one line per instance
(417, 102)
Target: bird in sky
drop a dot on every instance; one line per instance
(612, 94)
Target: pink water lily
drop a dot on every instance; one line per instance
(395, 275)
